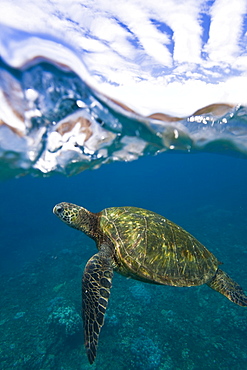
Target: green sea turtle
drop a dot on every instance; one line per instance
(142, 245)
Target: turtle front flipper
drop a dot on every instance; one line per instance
(96, 284)
(223, 284)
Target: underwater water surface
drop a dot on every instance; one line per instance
(146, 326)
(94, 83)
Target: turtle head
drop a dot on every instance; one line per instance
(77, 217)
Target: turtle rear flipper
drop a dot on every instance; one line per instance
(223, 284)
(96, 284)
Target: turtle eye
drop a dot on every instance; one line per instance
(59, 209)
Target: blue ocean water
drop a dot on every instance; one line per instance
(147, 326)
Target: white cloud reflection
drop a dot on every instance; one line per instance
(172, 56)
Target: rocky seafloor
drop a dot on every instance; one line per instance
(146, 327)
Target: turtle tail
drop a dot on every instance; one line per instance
(223, 284)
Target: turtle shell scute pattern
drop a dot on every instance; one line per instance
(150, 248)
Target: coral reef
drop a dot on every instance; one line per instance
(140, 292)
(146, 354)
(65, 320)
(146, 326)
